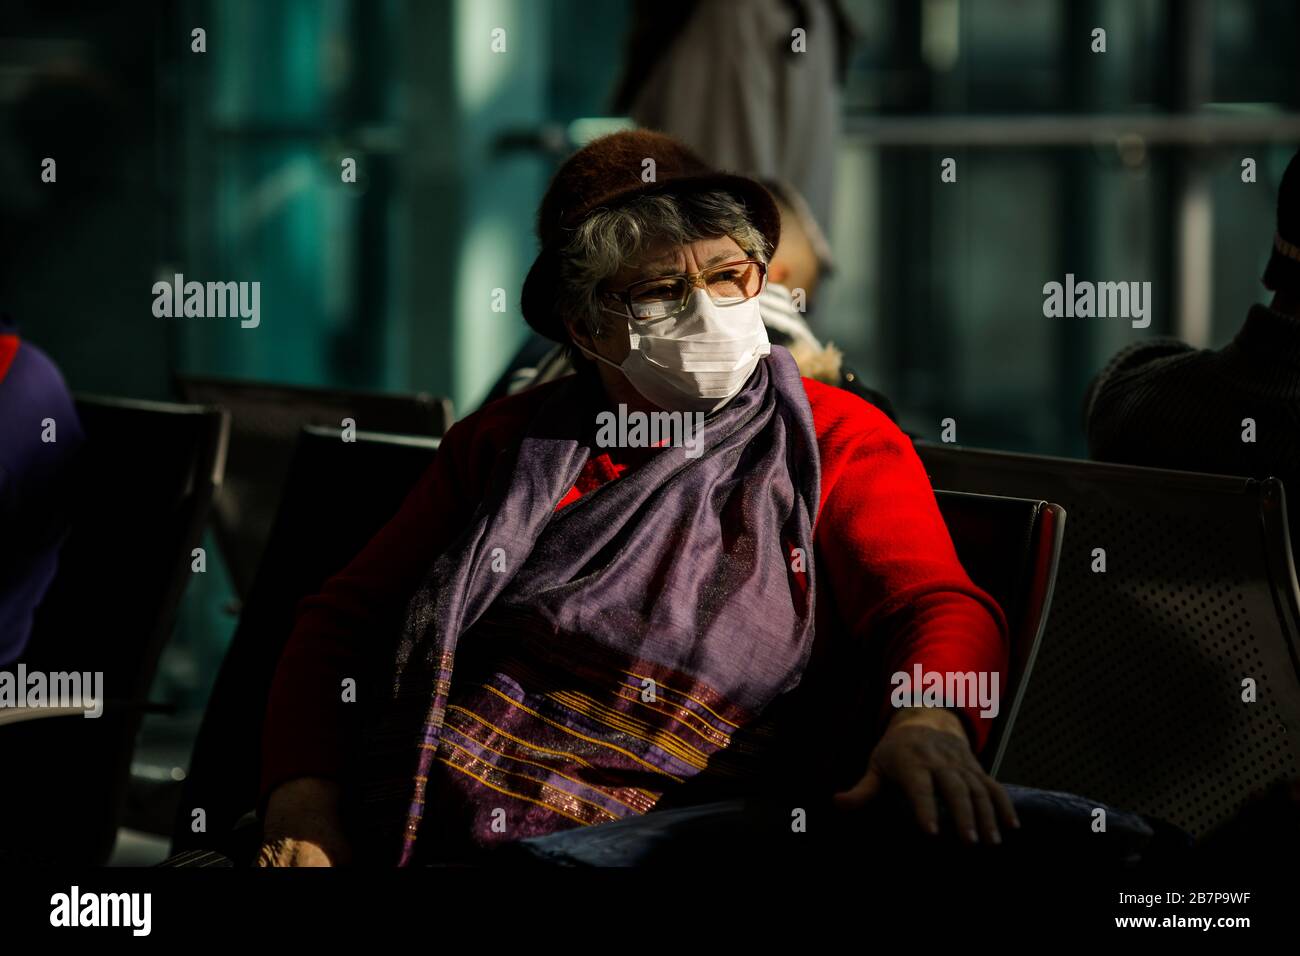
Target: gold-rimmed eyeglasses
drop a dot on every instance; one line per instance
(663, 296)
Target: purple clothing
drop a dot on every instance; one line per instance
(33, 471)
(616, 648)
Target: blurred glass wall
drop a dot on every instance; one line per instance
(1115, 166)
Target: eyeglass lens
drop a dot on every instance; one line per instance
(726, 285)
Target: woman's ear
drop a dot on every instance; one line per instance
(578, 333)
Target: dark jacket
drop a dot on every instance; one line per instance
(1164, 404)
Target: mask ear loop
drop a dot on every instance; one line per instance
(633, 338)
(598, 358)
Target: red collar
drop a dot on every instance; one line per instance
(8, 349)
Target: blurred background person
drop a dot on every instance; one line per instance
(753, 86)
(1233, 410)
(800, 264)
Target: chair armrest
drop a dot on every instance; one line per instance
(19, 715)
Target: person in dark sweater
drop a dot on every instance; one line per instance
(1234, 410)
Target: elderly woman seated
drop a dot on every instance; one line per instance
(570, 621)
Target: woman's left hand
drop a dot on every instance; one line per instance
(925, 754)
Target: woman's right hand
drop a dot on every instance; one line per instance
(303, 826)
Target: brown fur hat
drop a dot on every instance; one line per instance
(607, 172)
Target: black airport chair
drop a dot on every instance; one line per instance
(266, 419)
(141, 492)
(313, 537)
(1139, 692)
(1011, 548)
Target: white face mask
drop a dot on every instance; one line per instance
(698, 359)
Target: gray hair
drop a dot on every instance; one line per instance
(604, 242)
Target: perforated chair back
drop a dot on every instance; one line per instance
(143, 486)
(337, 496)
(1136, 695)
(1010, 547)
(266, 419)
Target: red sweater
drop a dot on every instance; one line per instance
(881, 546)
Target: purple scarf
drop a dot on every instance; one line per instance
(687, 563)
